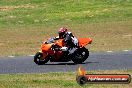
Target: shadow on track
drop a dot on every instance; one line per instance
(70, 63)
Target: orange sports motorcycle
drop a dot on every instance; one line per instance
(51, 50)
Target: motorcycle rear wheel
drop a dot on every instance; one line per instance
(39, 60)
(80, 55)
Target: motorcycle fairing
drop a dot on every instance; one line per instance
(84, 41)
(46, 47)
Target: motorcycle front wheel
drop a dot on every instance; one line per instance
(39, 60)
(80, 55)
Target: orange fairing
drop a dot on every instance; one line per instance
(46, 47)
(84, 41)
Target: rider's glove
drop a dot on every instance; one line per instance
(64, 48)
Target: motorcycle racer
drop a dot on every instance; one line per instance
(63, 48)
(70, 40)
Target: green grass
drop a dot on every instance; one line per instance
(16, 13)
(25, 23)
(56, 80)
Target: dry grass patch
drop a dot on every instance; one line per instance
(8, 8)
(106, 36)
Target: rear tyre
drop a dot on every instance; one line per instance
(80, 55)
(39, 60)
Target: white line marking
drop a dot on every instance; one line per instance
(126, 50)
(31, 55)
(11, 56)
(109, 51)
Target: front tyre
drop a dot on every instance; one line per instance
(39, 60)
(80, 55)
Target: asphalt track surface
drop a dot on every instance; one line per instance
(96, 61)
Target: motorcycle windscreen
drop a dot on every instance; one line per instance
(84, 41)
